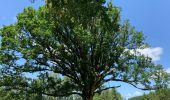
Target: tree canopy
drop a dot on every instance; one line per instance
(84, 42)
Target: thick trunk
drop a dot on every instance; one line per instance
(89, 88)
(88, 97)
(87, 94)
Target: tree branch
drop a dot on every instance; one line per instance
(99, 91)
(61, 95)
(131, 82)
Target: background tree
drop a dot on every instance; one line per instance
(136, 98)
(161, 94)
(82, 40)
(110, 94)
(19, 95)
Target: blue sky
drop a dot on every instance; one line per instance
(152, 17)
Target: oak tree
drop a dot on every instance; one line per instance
(83, 41)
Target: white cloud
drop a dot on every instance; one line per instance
(154, 53)
(129, 95)
(137, 93)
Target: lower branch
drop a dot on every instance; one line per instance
(99, 91)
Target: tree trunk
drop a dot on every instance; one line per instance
(88, 97)
(87, 94)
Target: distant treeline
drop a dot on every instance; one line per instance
(110, 94)
(162, 94)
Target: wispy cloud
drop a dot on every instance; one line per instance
(14, 19)
(136, 93)
(168, 70)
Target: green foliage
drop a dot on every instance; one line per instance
(110, 94)
(136, 98)
(18, 95)
(161, 94)
(4, 95)
(84, 42)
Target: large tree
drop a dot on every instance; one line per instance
(84, 41)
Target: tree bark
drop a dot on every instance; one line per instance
(87, 94)
(88, 97)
